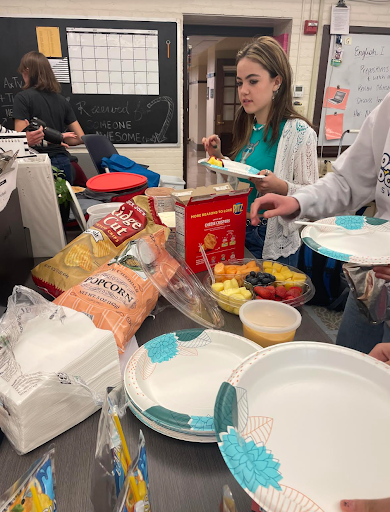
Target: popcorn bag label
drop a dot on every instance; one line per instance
(123, 224)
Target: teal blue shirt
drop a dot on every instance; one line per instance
(260, 155)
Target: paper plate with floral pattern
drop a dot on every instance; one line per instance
(364, 240)
(174, 379)
(303, 425)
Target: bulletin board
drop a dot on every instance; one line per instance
(120, 76)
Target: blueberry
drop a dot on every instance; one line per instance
(259, 274)
(266, 280)
(253, 274)
(273, 278)
(267, 275)
(247, 277)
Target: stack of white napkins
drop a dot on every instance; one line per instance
(59, 371)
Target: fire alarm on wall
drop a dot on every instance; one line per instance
(311, 27)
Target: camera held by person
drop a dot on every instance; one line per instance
(49, 134)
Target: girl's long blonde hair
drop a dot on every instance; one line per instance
(266, 51)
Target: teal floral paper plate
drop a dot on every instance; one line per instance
(173, 379)
(364, 240)
(181, 436)
(290, 422)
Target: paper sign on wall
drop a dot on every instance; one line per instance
(334, 126)
(336, 98)
(49, 41)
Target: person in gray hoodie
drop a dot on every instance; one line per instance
(361, 174)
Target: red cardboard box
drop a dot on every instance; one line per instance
(214, 217)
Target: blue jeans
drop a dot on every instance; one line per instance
(254, 242)
(62, 162)
(357, 333)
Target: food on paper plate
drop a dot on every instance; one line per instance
(215, 161)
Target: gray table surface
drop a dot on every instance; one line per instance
(183, 476)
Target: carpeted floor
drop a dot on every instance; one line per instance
(329, 321)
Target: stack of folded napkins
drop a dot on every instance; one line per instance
(55, 377)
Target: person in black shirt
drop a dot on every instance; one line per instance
(41, 99)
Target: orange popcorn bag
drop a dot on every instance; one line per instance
(118, 296)
(97, 245)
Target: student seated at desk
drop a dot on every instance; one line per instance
(271, 136)
(41, 99)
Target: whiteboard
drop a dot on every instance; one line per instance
(365, 72)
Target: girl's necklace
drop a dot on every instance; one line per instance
(257, 128)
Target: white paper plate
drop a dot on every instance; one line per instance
(232, 168)
(169, 433)
(174, 378)
(304, 425)
(368, 243)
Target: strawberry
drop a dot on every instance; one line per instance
(281, 292)
(271, 290)
(295, 292)
(257, 289)
(258, 297)
(265, 294)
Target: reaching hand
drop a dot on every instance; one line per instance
(382, 272)
(365, 505)
(35, 138)
(275, 205)
(381, 352)
(213, 146)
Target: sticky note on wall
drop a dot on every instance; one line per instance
(49, 42)
(334, 126)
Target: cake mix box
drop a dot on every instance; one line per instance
(213, 217)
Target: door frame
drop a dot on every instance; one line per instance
(208, 29)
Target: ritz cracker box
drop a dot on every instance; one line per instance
(213, 216)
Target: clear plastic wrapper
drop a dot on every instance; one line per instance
(116, 485)
(135, 495)
(38, 483)
(227, 503)
(372, 294)
(110, 467)
(22, 419)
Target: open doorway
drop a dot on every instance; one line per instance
(210, 45)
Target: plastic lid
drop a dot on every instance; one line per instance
(113, 181)
(174, 279)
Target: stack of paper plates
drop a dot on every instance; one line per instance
(172, 381)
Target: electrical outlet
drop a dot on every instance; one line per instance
(348, 40)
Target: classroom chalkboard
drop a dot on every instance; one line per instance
(120, 76)
(349, 90)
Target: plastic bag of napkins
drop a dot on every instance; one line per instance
(55, 366)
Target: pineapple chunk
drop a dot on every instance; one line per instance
(277, 267)
(234, 283)
(298, 277)
(236, 311)
(267, 264)
(246, 294)
(217, 287)
(227, 285)
(279, 276)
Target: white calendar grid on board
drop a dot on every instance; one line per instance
(113, 61)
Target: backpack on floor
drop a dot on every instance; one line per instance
(327, 276)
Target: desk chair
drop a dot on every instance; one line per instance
(98, 147)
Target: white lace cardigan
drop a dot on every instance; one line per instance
(296, 164)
